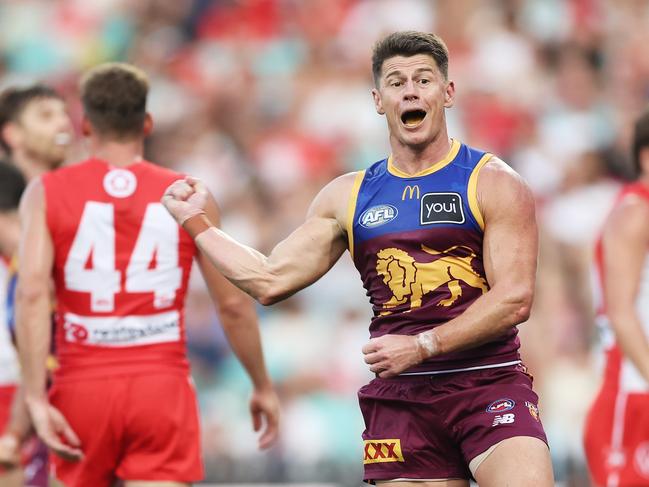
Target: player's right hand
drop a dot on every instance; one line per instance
(52, 427)
(9, 451)
(185, 198)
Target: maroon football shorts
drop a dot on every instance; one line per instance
(432, 426)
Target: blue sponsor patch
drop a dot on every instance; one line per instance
(501, 405)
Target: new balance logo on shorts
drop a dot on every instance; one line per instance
(381, 451)
(504, 419)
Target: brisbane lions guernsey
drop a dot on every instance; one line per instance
(121, 269)
(620, 371)
(417, 242)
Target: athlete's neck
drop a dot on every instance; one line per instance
(29, 166)
(412, 160)
(117, 153)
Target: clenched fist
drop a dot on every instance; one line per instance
(185, 198)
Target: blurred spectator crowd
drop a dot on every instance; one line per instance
(267, 100)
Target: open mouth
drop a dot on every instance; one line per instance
(412, 118)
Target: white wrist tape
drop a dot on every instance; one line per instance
(428, 343)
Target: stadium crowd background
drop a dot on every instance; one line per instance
(267, 100)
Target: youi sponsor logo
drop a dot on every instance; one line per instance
(377, 216)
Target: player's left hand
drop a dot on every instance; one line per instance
(264, 408)
(389, 355)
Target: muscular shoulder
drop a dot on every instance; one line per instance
(629, 218)
(500, 187)
(333, 200)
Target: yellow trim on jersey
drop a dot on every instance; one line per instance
(351, 209)
(472, 190)
(455, 148)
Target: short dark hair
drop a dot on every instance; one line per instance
(13, 102)
(409, 43)
(114, 99)
(12, 185)
(640, 139)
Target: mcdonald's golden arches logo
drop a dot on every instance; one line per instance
(411, 190)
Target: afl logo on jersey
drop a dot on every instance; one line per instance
(120, 183)
(501, 405)
(378, 215)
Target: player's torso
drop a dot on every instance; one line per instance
(620, 371)
(417, 243)
(121, 268)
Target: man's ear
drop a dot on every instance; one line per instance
(449, 95)
(11, 134)
(147, 127)
(86, 127)
(377, 101)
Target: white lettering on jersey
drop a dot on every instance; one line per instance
(95, 242)
(158, 236)
(122, 331)
(504, 419)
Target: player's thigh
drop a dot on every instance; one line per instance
(424, 483)
(153, 483)
(521, 460)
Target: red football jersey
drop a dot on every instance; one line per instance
(121, 269)
(619, 369)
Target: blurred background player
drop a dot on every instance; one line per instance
(616, 436)
(35, 134)
(122, 403)
(444, 238)
(12, 185)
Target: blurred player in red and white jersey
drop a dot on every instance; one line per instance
(35, 133)
(12, 184)
(617, 428)
(122, 405)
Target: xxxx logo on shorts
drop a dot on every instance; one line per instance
(381, 451)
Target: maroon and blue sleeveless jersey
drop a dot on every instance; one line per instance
(417, 242)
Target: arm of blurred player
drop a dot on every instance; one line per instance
(239, 319)
(33, 326)
(299, 260)
(625, 242)
(510, 248)
(16, 430)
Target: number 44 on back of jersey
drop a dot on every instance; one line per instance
(95, 241)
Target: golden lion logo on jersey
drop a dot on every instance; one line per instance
(410, 280)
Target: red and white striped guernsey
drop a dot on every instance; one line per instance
(619, 370)
(121, 270)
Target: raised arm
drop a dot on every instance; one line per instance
(239, 319)
(299, 260)
(33, 325)
(510, 250)
(625, 244)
